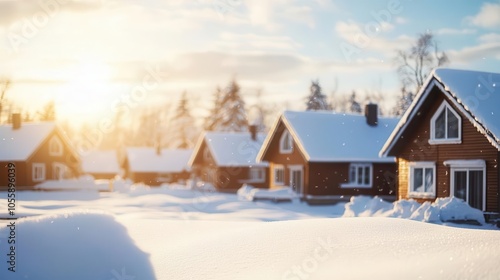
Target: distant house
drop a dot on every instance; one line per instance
(227, 160)
(153, 166)
(448, 141)
(39, 151)
(101, 164)
(330, 156)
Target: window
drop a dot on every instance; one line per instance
(446, 126)
(286, 143)
(38, 172)
(279, 175)
(257, 174)
(422, 180)
(55, 147)
(360, 175)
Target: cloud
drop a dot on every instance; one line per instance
(487, 17)
(452, 31)
(470, 54)
(254, 42)
(11, 11)
(490, 38)
(368, 39)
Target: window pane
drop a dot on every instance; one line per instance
(460, 184)
(418, 179)
(360, 175)
(429, 180)
(352, 174)
(476, 189)
(452, 125)
(367, 175)
(439, 126)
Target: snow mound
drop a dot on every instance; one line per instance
(79, 245)
(83, 183)
(365, 206)
(250, 193)
(448, 209)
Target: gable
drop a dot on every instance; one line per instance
(272, 151)
(20, 144)
(473, 94)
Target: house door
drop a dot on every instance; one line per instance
(296, 179)
(469, 185)
(59, 171)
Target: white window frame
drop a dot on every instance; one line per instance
(432, 139)
(55, 147)
(34, 168)
(421, 164)
(275, 169)
(62, 167)
(284, 137)
(260, 172)
(467, 165)
(354, 184)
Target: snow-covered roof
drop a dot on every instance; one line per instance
(19, 144)
(476, 94)
(232, 148)
(336, 137)
(145, 159)
(100, 162)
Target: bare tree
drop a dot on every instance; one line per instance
(48, 113)
(4, 86)
(414, 64)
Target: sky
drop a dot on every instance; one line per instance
(93, 56)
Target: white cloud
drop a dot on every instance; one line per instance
(488, 16)
(254, 42)
(490, 38)
(365, 40)
(468, 55)
(400, 20)
(452, 31)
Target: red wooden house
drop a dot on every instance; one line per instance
(227, 160)
(154, 166)
(39, 151)
(448, 141)
(329, 156)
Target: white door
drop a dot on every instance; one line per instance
(59, 170)
(296, 179)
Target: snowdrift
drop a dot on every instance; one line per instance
(80, 245)
(448, 209)
(250, 193)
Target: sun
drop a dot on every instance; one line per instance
(88, 84)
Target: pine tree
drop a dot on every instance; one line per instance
(232, 111)
(403, 102)
(354, 106)
(214, 116)
(316, 99)
(182, 126)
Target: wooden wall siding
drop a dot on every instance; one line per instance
(22, 181)
(274, 156)
(474, 146)
(326, 178)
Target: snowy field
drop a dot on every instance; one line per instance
(175, 233)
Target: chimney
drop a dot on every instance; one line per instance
(371, 114)
(253, 131)
(16, 121)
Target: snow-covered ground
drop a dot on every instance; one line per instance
(176, 233)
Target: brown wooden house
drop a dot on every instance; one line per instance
(101, 164)
(448, 141)
(227, 160)
(327, 156)
(39, 151)
(154, 166)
